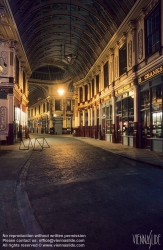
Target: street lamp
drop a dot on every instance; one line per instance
(61, 92)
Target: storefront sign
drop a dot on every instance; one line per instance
(106, 98)
(151, 74)
(119, 91)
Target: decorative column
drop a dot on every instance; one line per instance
(91, 122)
(99, 130)
(83, 87)
(10, 137)
(76, 107)
(113, 116)
(95, 122)
(51, 116)
(89, 118)
(89, 91)
(111, 66)
(78, 118)
(102, 76)
(64, 116)
(132, 47)
(78, 94)
(136, 112)
(83, 127)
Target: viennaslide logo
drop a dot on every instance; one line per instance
(147, 239)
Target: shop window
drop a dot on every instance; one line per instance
(106, 75)
(157, 125)
(127, 116)
(57, 104)
(144, 99)
(86, 119)
(109, 119)
(130, 116)
(156, 94)
(126, 108)
(122, 60)
(93, 115)
(81, 118)
(68, 105)
(153, 23)
(119, 108)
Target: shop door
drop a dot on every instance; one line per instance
(119, 129)
(103, 129)
(145, 129)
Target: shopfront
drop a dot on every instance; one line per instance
(107, 121)
(125, 118)
(151, 106)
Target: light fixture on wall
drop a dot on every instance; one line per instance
(2, 11)
(70, 50)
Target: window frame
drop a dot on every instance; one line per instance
(106, 74)
(153, 33)
(123, 59)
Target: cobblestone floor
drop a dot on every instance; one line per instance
(77, 188)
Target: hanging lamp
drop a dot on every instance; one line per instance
(70, 51)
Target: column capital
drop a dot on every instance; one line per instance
(132, 27)
(111, 51)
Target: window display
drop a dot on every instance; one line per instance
(109, 119)
(157, 125)
(126, 108)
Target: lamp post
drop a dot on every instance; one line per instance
(61, 93)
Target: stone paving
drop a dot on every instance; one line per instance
(140, 155)
(76, 187)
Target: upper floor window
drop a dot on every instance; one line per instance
(47, 106)
(122, 60)
(16, 70)
(86, 92)
(58, 104)
(106, 75)
(153, 23)
(81, 95)
(43, 107)
(93, 87)
(97, 84)
(68, 106)
(24, 82)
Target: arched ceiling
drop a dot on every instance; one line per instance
(37, 93)
(45, 26)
